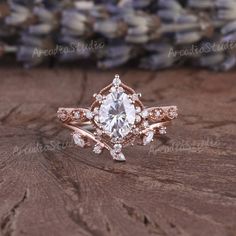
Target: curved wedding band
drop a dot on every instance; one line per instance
(116, 119)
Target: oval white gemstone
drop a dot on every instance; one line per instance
(117, 114)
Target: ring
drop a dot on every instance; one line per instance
(116, 119)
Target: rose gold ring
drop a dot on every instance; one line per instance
(117, 118)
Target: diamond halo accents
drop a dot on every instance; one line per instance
(117, 156)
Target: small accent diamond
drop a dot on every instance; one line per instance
(89, 115)
(116, 81)
(158, 113)
(138, 118)
(62, 115)
(145, 113)
(172, 113)
(162, 130)
(78, 139)
(97, 149)
(99, 97)
(77, 115)
(119, 157)
(135, 96)
(117, 148)
(148, 137)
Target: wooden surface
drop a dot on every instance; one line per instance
(183, 184)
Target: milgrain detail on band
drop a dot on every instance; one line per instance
(117, 118)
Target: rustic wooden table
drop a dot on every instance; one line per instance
(182, 184)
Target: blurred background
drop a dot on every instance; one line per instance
(149, 34)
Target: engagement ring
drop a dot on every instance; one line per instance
(116, 119)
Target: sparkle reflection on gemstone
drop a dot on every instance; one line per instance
(117, 114)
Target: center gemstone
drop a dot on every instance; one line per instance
(117, 114)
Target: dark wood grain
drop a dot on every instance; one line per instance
(183, 184)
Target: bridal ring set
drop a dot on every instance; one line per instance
(116, 119)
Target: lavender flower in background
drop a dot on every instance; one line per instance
(143, 31)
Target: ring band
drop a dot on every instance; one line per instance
(117, 118)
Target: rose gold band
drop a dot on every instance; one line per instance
(78, 115)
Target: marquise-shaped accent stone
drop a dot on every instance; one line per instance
(78, 140)
(148, 137)
(117, 156)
